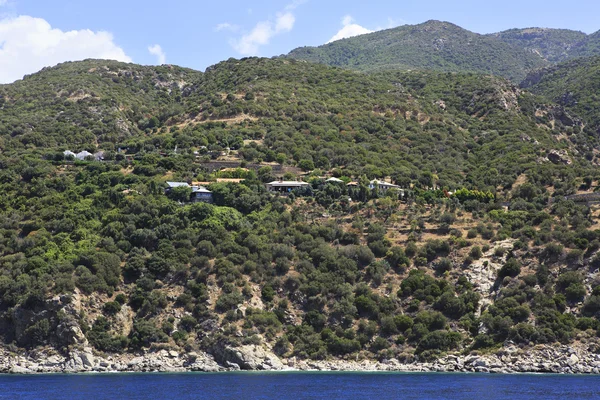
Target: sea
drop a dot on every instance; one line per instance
(300, 385)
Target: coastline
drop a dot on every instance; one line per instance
(508, 360)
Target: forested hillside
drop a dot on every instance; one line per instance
(434, 45)
(554, 45)
(481, 244)
(574, 85)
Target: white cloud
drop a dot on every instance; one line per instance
(295, 4)
(285, 22)
(347, 20)
(226, 26)
(349, 29)
(28, 44)
(157, 51)
(263, 32)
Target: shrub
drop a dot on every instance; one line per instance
(187, 323)
(112, 308)
(403, 322)
(510, 268)
(476, 253)
(439, 340)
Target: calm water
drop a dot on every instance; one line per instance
(299, 386)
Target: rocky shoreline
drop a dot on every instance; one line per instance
(510, 359)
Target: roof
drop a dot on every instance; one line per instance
(352, 184)
(83, 154)
(333, 179)
(382, 183)
(288, 183)
(200, 189)
(177, 184)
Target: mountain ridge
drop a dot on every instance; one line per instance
(444, 46)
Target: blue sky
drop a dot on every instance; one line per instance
(197, 33)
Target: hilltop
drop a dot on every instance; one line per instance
(442, 46)
(432, 45)
(554, 45)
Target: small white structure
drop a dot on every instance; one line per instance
(83, 154)
(334, 180)
(199, 193)
(172, 185)
(285, 186)
(384, 186)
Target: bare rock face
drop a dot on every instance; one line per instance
(559, 157)
(483, 273)
(69, 332)
(248, 357)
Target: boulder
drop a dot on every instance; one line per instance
(573, 360)
(559, 157)
(248, 357)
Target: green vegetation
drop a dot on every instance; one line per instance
(554, 45)
(574, 85)
(329, 270)
(433, 45)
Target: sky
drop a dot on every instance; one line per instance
(200, 33)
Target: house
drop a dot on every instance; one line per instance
(334, 180)
(83, 154)
(285, 186)
(384, 186)
(199, 193)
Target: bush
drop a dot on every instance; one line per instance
(439, 340)
(483, 341)
(403, 322)
(476, 253)
(112, 308)
(145, 333)
(187, 323)
(267, 293)
(510, 268)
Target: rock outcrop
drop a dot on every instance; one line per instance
(248, 357)
(559, 157)
(510, 359)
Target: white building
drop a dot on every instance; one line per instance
(384, 186)
(285, 186)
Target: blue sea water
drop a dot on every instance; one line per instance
(300, 386)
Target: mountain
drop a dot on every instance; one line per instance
(574, 85)
(432, 45)
(488, 236)
(84, 102)
(588, 47)
(112, 105)
(554, 45)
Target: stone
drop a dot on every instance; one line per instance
(20, 370)
(573, 360)
(249, 357)
(559, 157)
